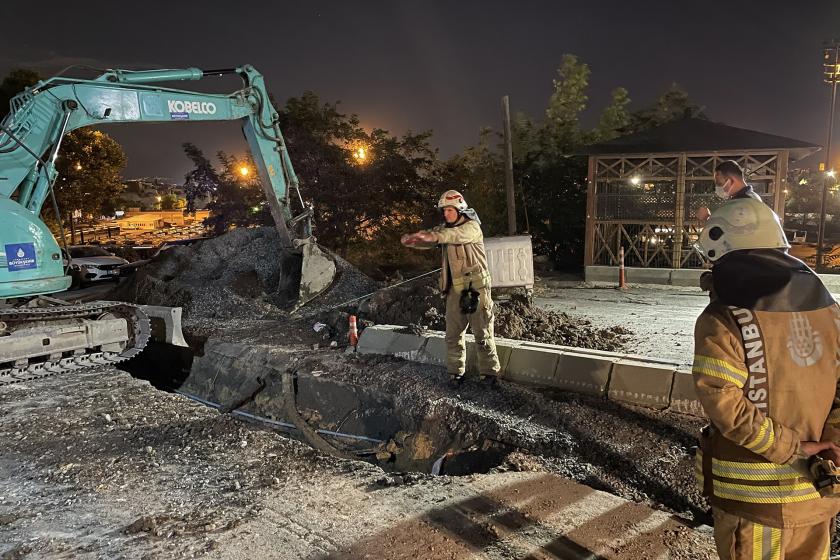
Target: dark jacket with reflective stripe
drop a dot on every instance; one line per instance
(766, 372)
(747, 192)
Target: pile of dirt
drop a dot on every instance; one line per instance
(421, 305)
(243, 274)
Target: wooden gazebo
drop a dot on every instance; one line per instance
(644, 188)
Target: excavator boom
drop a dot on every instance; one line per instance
(30, 259)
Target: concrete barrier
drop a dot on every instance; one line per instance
(376, 339)
(586, 351)
(407, 346)
(504, 349)
(584, 373)
(683, 396)
(532, 366)
(384, 339)
(637, 380)
(642, 383)
(685, 277)
(434, 350)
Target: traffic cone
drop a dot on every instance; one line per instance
(622, 284)
(354, 333)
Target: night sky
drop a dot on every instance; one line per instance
(409, 65)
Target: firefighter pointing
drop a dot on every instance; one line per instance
(766, 372)
(465, 279)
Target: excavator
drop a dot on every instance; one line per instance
(42, 335)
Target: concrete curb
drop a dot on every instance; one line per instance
(628, 378)
(683, 277)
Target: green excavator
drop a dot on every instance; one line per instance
(42, 335)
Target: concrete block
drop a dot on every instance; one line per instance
(642, 383)
(601, 274)
(683, 396)
(686, 277)
(576, 350)
(406, 346)
(532, 366)
(583, 373)
(377, 339)
(504, 349)
(648, 359)
(636, 275)
(434, 350)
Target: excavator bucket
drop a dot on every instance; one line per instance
(317, 272)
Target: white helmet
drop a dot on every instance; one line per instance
(453, 199)
(743, 223)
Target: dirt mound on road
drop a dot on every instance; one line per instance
(421, 305)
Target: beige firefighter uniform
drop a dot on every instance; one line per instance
(767, 380)
(464, 264)
(740, 539)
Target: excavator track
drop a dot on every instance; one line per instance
(139, 330)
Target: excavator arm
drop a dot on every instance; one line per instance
(40, 117)
(38, 335)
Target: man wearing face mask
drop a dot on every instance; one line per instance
(465, 279)
(729, 184)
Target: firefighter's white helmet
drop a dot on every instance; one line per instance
(453, 199)
(743, 223)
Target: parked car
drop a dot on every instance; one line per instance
(89, 263)
(153, 253)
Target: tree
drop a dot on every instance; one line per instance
(89, 174)
(168, 202)
(803, 198)
(202, 180)
(367, 188)
(673, 104)
(15, 82)
(548, 168)
(361, 206)
(566, 103)
(615, 118)
(478, 173)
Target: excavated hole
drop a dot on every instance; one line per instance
(408, 444)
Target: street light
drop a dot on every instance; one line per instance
(831, 75)
(360, 154)
(78, 167)
(635, 180)
(244, 170)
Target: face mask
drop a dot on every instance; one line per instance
(720, 190)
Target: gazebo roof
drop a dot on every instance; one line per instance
(700, 135)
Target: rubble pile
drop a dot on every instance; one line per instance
(420, 305)
(245, 273)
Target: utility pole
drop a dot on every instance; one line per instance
(511, 201)
(831, 72)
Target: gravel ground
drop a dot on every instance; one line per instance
(99, 465)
